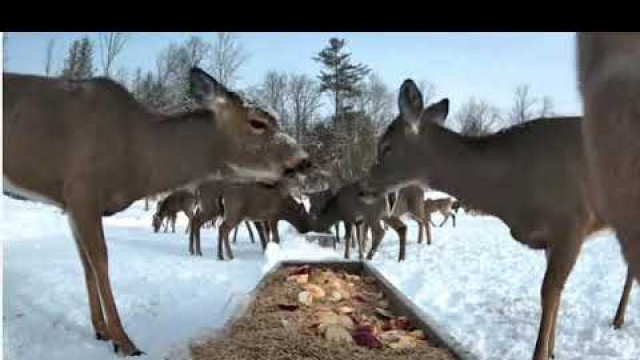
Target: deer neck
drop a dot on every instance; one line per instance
(180, 152)
(299, 220)
(457, 165)
(329, 215)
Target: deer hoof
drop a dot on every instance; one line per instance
(617, 324)
(134, 352)
(100, 336)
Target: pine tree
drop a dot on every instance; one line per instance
(79, 62)
(341, 78)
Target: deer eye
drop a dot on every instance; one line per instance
(258, 125)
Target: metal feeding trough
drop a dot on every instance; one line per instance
(398, 303)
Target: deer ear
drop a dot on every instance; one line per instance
(204, 89)
(410, 101)
(436, 113)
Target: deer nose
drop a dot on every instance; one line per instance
(300, 164)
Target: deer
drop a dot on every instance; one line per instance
(263, 203)
(444, 206)
(409, 201)
(346, 205)
(169, 207)
(609, 83)
(317, 200)
(89, 148)
(533, 177)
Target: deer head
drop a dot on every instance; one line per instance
(257, 148)
(404, 141)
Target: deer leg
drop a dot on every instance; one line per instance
(353, 243)
(223, 237)
(273, 224)
(189, 217)
(261, 233)
(446, 217)
(192, 226)
(97, 317)
(173, 223)
(453, 217)
(235, 234)
(420, 230)
(347, 243)
(347, 230)
(226, 242)
(561, 259)
(427, 227)
(360, 234)
(253, 239)
(618, 321)
(88, 227)
(377, 234)
(401, 229)
(198, 250)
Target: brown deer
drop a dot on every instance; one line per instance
(609, 79)
(264, 204)
(346, 205)
(91, 149)
(169, 208)
(444, 206)
(409, 201)
(532, 176)
(208, 209)
(317, 200)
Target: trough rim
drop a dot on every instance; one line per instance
(433, 330)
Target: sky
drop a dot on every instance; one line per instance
(485, 66)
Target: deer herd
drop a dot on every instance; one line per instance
(90, 148)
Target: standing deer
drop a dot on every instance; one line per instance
(409, 200)
(90, 148)
(317, 200)
(609, 79)
(444, 206)
(533, 176)
(208, 210)
(346, 205)
(169, 207)
(259, 202)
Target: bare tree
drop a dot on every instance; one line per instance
(305, 100)
(48, 60)
(228, 56)
(111, 45)
(477, 118)
(428, 90)
(546, 108)
(196, 51)
(523, 104)
(376, 102)
(273, 92)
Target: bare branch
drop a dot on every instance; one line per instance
(111, 44)
(523, 103)
(48, 62)
(228, 56)
(478, 118)
(428, 90)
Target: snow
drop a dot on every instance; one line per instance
(474, 280)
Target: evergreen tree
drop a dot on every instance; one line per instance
(79, 62)
(342, 78)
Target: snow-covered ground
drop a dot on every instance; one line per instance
(474, 280)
